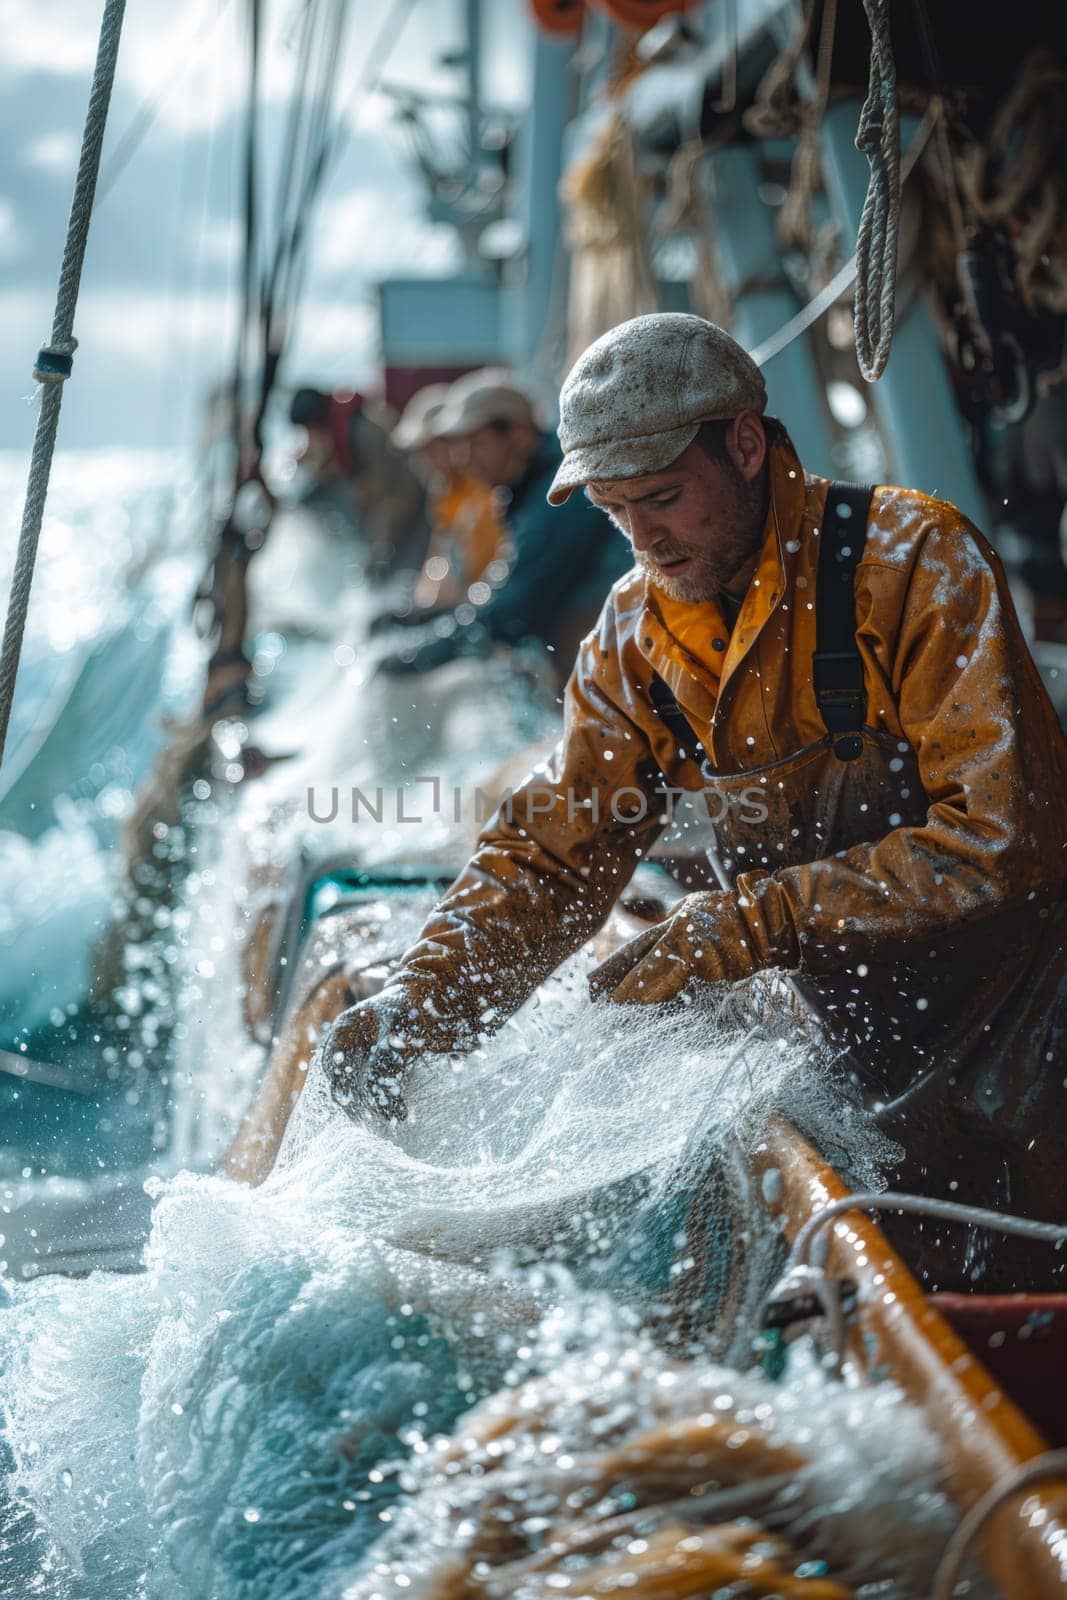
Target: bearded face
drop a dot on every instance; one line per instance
(695, 528)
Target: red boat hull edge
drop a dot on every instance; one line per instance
(1021, 1339)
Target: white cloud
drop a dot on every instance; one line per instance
(190, 337)
(372, 232)
(336, 342)
(49, 36)
(55, 153)
(25, 321)
(216, 241)
(188, 61)
(12, 235)
(151, 329)
(146, 361)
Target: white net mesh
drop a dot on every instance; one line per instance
(216, 1425)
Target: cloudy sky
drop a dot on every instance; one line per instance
(155, 319)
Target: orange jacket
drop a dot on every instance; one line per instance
(946, 670)
(468, 535)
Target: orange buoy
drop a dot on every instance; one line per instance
(641, 13)
(559, 16)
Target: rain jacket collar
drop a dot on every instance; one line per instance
(675, 637)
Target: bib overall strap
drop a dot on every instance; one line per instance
(671, 714)
(837, 667)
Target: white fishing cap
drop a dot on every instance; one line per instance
(489, 395)
(418, 422)
(636, 398)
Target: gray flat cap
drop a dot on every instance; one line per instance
(418, 424)
(490, 395)
(635, 399)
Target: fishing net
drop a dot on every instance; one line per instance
(218, 1424)
(397, 775)
(623, 1469)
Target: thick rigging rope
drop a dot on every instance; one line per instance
(878, 136)
(809, 314)
(55, 359)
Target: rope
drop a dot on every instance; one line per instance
(1049, 1465)
(808, 315)
(878, 136)
(809, 1280)
(687, 210)
(54, 362)
(920, 1205)
(774, 113)
(1017, 184)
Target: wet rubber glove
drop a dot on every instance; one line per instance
(368, 1054)
(705, 938)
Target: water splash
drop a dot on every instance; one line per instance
(286, 1344)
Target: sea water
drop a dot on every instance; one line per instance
(236, 1420)
(258, 1412)
(108, 651)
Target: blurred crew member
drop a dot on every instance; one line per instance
(561, 566)
(329, 423)
(466, 532)
(356, 470)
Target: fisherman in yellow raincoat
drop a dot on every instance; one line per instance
(843, 675)
(467, 534)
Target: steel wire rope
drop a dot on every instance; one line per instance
(273, 254)
(305, 178)
(923, 1206)
(803, 1274)
(310, 138)
(55, 359)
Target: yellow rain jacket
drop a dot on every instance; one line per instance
(916, 893)
(468, 536)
